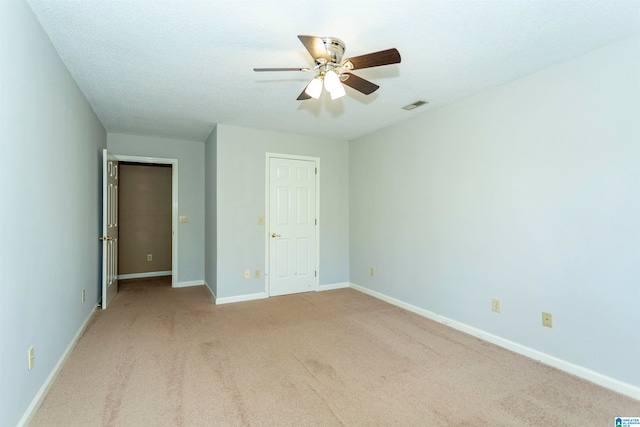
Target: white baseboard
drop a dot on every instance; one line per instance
(191, 283)
(144, 275)
(42, 393)
(579, 371)
(240, 298)
(332, 286)
(263, 295)
(210, 291)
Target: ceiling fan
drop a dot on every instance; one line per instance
(332, 71)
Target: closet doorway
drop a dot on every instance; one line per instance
(147, 208)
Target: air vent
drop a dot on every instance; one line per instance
(414, 105)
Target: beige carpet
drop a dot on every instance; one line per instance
(169, 357)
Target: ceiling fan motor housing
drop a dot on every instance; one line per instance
(335, 49)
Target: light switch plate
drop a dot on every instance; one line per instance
(547, 320)
(496, 305)
(30, 358)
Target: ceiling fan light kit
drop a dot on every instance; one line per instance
(334, 73)
(333, 85)
(314, 88)
(338, 91)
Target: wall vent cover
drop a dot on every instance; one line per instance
(414, 105)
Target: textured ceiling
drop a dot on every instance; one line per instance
(177, 68)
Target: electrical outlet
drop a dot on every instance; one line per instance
(247, 274)
(496, 305)
(256, 274)
(149, 257)
(84, 295)
(372, 271)
(547, 320)
(30, 358)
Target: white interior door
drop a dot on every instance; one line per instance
(292, 226)
(109, 228)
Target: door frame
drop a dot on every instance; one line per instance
(267, 219)
(174, 204)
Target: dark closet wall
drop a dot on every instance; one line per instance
(144, 208)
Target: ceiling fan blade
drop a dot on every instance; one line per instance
(315, 46)
(281, 69)
(303, 95)
(360, 84)
(375, 59)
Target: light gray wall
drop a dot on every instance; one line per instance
(190, 155)
(528, 192)
(210, 210)
(50, 197)
(241, 199)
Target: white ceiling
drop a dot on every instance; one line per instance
(177, 68)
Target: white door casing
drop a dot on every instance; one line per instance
(109, 228)
(293, 231)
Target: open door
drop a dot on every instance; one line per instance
(109, 228)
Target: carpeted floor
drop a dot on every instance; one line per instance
(169, 357)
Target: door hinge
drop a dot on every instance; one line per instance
(316, 221)
(316, 171)
(315, 273)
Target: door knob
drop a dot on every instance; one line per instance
(275, 235)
